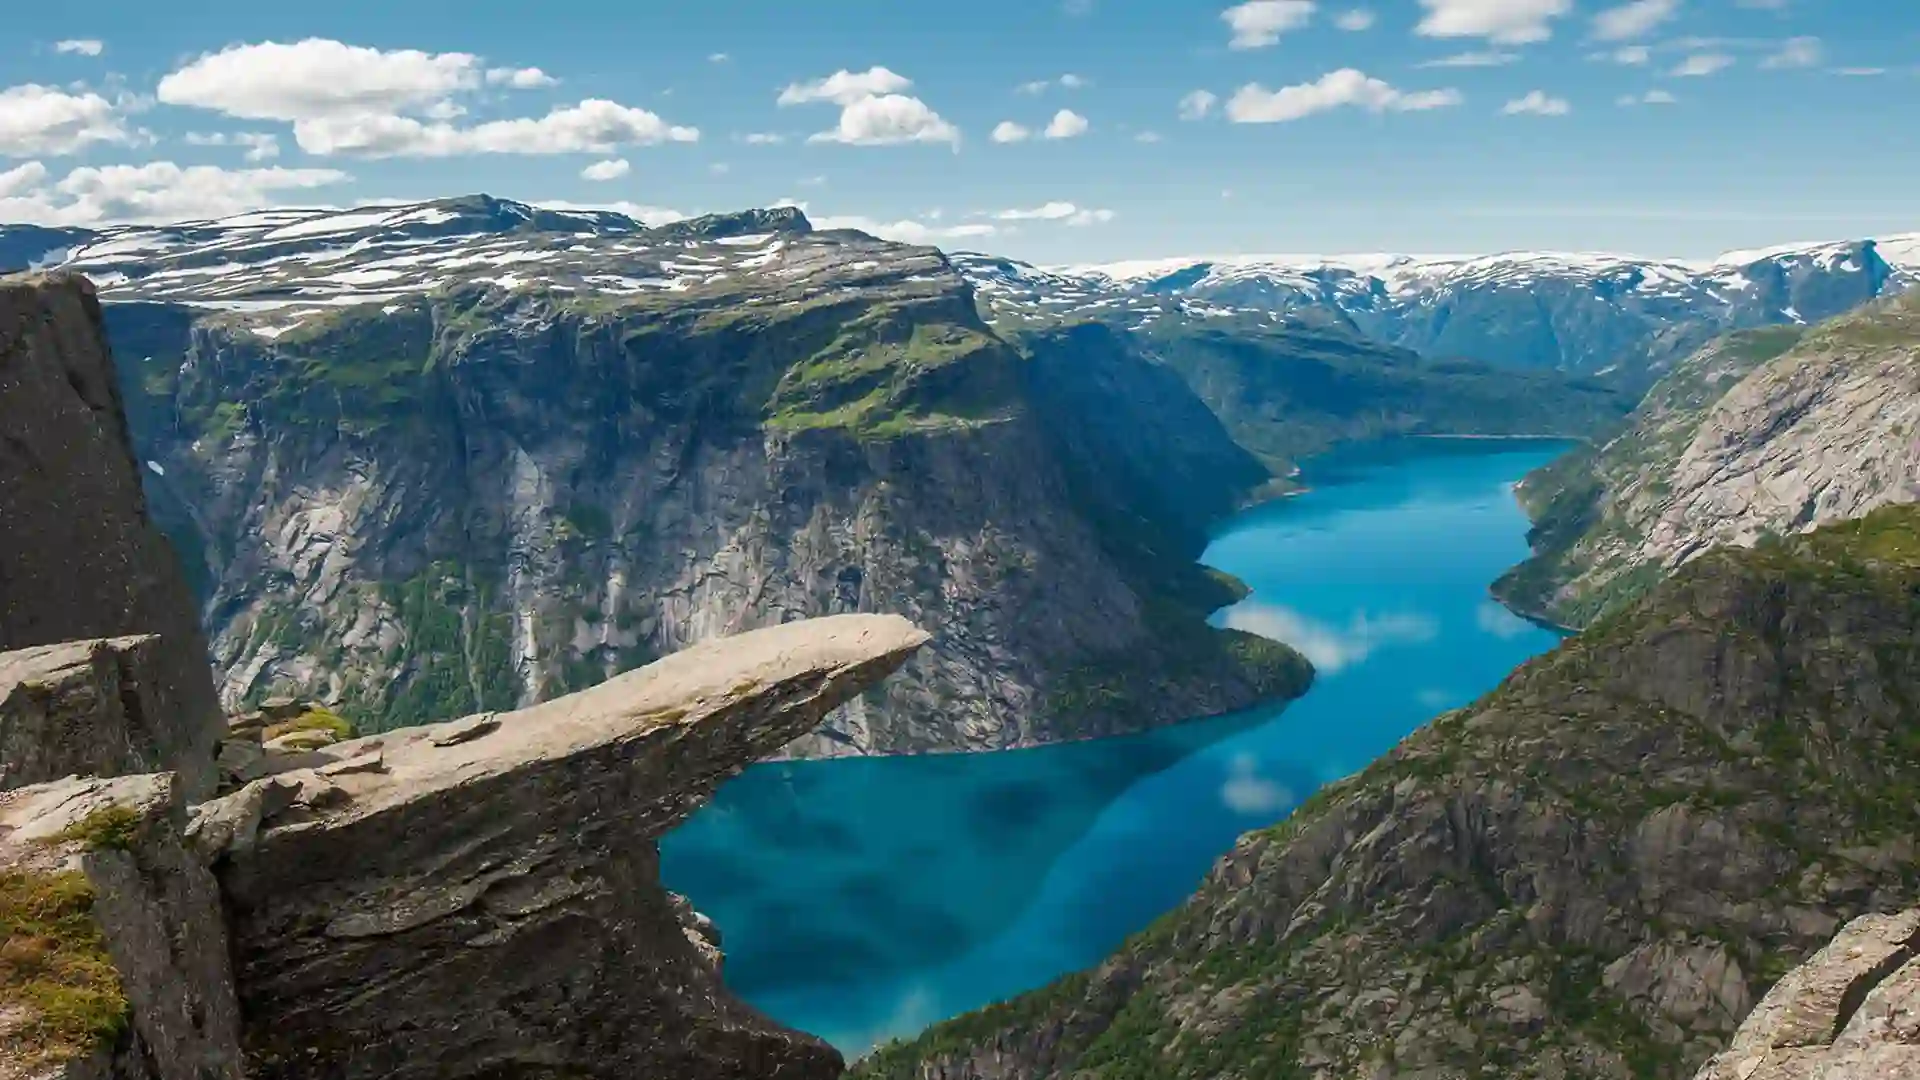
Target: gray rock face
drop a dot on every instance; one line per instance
(1762, 435)
(160, 914)
(78, 556)
(1851, 1012)
(480, 898)
(99, 708)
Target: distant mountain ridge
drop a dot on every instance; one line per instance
(1585, 313)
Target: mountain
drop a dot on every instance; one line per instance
(469, 454)
(1592, 314)
(1596, 870)
(1764, 432)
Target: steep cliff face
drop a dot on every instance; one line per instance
(1596, 870)
(491, 492)
(1768, 432)
(79, 557)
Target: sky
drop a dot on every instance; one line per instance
(1057, 131)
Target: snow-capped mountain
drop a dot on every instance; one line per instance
(1575, 311)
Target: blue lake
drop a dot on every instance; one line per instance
(865, 898)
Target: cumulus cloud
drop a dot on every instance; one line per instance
(1355, 20)
(1488, 58)
(888, 120)
(1536, 103)
(593, 126)
(1069, 81)
(1064, 212)
(1066, 124)
(1257, 24)
(351, 99)
(873, 111)
(1800, 52)
(763, 138)
(609, 169)
(80, 46)
(1651, 97)
(37, 120)
(1633, 20)
(846, 87)
(1006, 131)
(1197, 104)
(1332, 647)
(1255, 104)
(520, 78)
(1505, 22)
(1701, 64)
(907, 230)
(318, 77)
(158, 191)
(1630, 55)
(261, 145)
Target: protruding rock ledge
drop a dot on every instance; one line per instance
(481, 897)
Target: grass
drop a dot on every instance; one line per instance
(54, 969)
(108, 828)
(318, 718)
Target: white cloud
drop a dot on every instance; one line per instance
(1071, 81)
(1633, 20)
(158, 191)
(80, 46)
(1053, 211)
(1247, 792)
(1147, 137)
(1536, 103)
(1255, 104)
(22, 179)
(1800, 52)
(719, 168)
(718, 58)
(889, 120)
(1257, 24)
(763, 138)
(1006, 131)
(318, 77)
(37, 119)
(1066, 124)
(261, 145)
(1197, 104)
(593, 126)
(1331, 647)
(1489, 58)
(1355, 20)
(907, 231)
(609, 169)
(1630, 55)
(1506, 22)
(651, 215)
(1090, 217)
(520, 78)
(1700, 64)
(844, 88)
(1651, 97)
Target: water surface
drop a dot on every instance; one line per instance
(869, 897)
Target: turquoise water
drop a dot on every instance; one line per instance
(861, 899)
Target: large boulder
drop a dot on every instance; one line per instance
(79, 557)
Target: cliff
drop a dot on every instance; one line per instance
(476, 898)
(480, 489)
(1596, 870)
(1769, 432)
(79, 557)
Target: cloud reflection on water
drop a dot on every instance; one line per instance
(1332, 647)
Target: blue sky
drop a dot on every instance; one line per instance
(1661, 127)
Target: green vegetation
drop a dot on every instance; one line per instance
(459, 645)
(56, 980)
(110, 828)
(317, 718)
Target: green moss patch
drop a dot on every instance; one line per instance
(54, 970)
(108, 828)
(318, 718)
